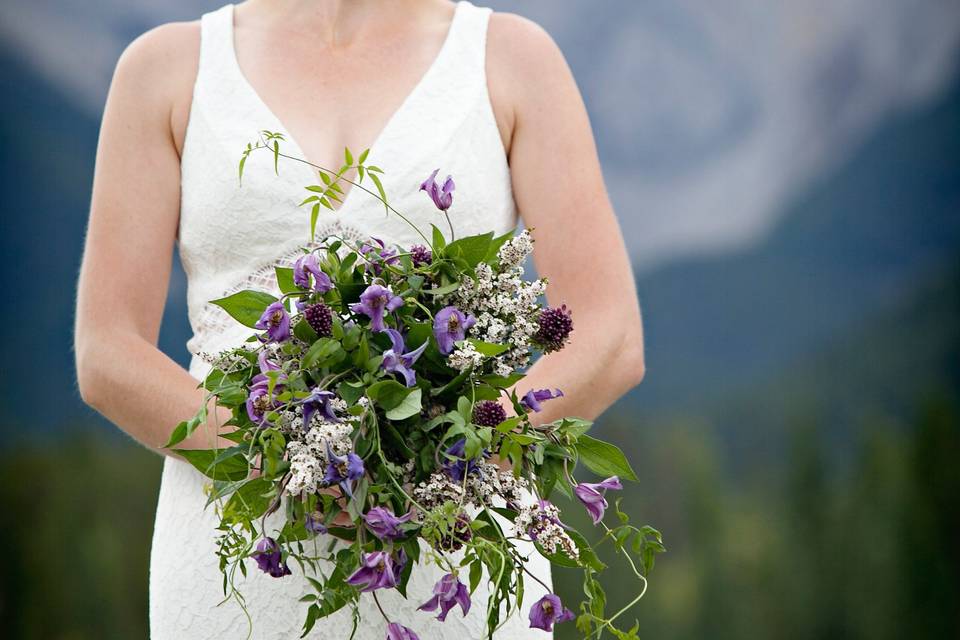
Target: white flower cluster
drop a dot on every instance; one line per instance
(480, 489)
(465, 357)
(505, 306)
(541, 521)
(308, 457)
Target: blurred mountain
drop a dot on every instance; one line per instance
(859, 241)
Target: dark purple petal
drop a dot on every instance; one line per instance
(375, 302)
(307, 274)
(276, 321)
(384, 524)
(397, 631)
(548, 611)
(447, 593)
(396, 361)
(378, 570)
(319, 400)
(450, 326)
(269, 558)
(532, 399)
(442, 196)
(592, 496)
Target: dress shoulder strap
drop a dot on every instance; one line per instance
(470, 37)
(216, 44)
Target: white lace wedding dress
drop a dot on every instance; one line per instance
(230, 238)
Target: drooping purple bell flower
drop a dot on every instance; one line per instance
(309, 265)
(375, 302)
(397, 631)
(449, 326)
(343, 470)
(259, 401)
(442, 196)
(319, 400)
(269, 558)
(384, 524)
(276, 321)
(457, 466)
(396, 361)
(592, 496)
(532, 399)
(377, 254)
(447, 593)
(378, 570)
(548, 611)
(314, 524)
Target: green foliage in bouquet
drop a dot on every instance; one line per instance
(377, 424)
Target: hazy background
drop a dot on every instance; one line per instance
(788, 181)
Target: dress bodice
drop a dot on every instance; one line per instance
(232, 234)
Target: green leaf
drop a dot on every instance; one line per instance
(347, 156)
(604, 459)
(245, 306)
(439, 242)
(487, 348)
(389, 394)
(440, 291)
(472, 249)
(409, 407)
(285, 280)
(380, 190)
(363, 156)
(233, 468)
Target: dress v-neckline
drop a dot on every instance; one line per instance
(377, 142)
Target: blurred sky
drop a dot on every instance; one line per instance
(710, 115)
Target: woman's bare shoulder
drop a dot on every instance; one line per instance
(156, 73)
(525, 67)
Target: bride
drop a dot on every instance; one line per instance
(421, 83)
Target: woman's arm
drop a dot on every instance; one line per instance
(559, 190)
(126, 264)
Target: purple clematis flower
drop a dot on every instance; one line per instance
(377, 254)
(375, 302)
(548, 611)
(447, 593)
(309, 265)
(258, 403)
(442, 196)
(318, 400)
(259, 400)
(397, 631)
(458, 467)
(384, 524)
(449, 326)
(314, 524)
(531, 401)
(396, 361)
(269, 558)
(343, 470)
(591, 495)
(378, 570)
(276, 321)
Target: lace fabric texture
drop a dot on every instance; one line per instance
(230, 238)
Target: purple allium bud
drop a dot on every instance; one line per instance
(375, 302)
(276, 321)
(556, 323)
(532, 399)
(449, 326)
(420, 255)
(378, 570)
(442, 196)
(447, 593)
(269, 558)
(307, 268)
(320, 318)
(397, 631)
(548, 611)
(591, 495)
(384, 524)
(488, 413)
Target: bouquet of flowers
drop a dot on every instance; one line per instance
(377, 402)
